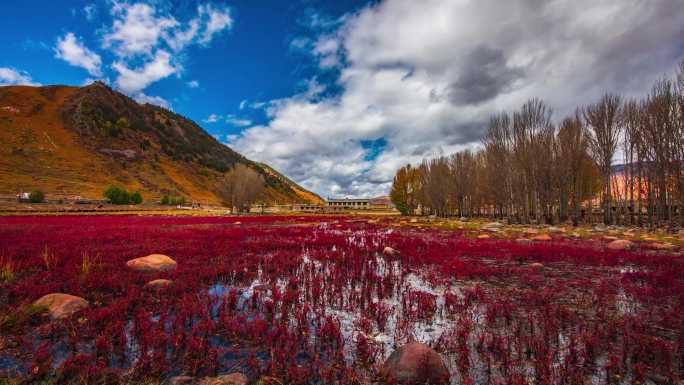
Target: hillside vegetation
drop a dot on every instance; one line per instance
(71, 141)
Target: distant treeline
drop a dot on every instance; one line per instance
(530, 169)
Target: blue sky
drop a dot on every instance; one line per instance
(253, 59)
(338, 94)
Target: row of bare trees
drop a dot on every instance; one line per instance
(620, 160)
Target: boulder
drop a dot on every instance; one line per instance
(536, 265)
(390, 251)
(661, 246)
(621, 244)
(493, 225)
(180, 380)
(158, 284)
(542, 237)
(60, 305)
(152, 263)
(226, 379)
(483, 236)
(610, 238)
(414, 220)
(415, 363)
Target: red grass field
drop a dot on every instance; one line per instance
(314, 300)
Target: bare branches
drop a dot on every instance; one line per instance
(240, 187)
(530, 170)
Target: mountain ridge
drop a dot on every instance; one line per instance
(79, 140)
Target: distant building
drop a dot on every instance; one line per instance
(348, 204)
(307, 207)
(381, 203)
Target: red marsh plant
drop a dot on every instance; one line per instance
(315, 300)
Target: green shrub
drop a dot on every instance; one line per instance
(36, 196)
(117, 195)
(172, 200)
(136, 198)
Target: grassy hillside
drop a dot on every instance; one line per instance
(77, 141)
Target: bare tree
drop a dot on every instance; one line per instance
(572, 160)
(603, 120)
(659, 134)
(531, 129)
(632, 148)
(240, 187)
(464, 170)
(436, 182)
(679, 143)
(497, 156)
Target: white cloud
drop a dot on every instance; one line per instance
(139, 28)
(156, 100)
(10, 76)
(425, 77)
(213, 118)
(228, 119)
(180, 39)
(71, 50)
(219, 19)
(136, 29)
(243, 104)
(150, 43)
(300, 43)
(88, 81)
(90, 11)
(238, 122)
(134, 80)
(327, 50)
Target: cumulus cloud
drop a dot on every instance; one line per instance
(10, 77)
(422, 78)
(327, 49)
(71, 50)
(218, 19)
(145, 37)
(229, 119)
(134, 80)
(136, 29)
(156, 100)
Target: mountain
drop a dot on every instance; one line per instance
(76, 141)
